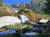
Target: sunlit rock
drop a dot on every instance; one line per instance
(9, 20)
(43, 20)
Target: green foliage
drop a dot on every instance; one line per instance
(44, 15)
(47, 10)
(26, 7)
(18, 26)
(34, 9)
(17, 14)
(26, 13)
(22, 8)
(25, 30)
(1, 3)
(17, 34)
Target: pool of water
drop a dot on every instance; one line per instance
(9, 31)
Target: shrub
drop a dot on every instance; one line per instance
(25, 30)
(17, 34)
(4, 12)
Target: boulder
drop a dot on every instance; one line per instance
(9, 20)
(43, 20)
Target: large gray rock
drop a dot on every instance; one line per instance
(9, 20)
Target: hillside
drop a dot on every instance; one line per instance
(10, 7)
(34, 17)
(34, 5)
(5, 12)
(29, 13)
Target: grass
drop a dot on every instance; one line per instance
(44, 15)
(12, 27)
(2, 29)
(18, 26)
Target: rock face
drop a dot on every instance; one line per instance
(28, 4)
(7, 5)
(33, 5)
(9, 20)
(38, 5)
(17, 5)
(10, 7)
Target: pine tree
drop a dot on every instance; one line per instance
(1, 3)
(47, 10)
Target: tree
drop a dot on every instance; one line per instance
(47, 9)
(34, 8)
(1, 3)
(22, 8)
(26, 7)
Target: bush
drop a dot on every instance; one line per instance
(25, 30)
(17, 34)
(4, 12)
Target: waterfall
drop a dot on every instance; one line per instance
(23, 18)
